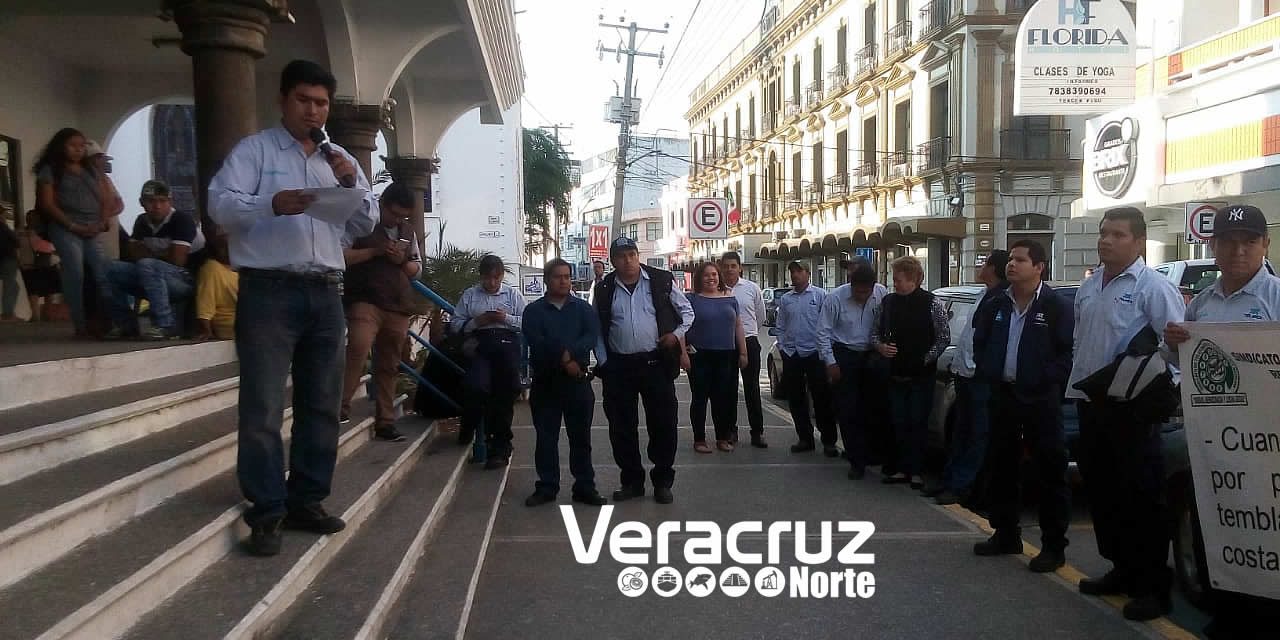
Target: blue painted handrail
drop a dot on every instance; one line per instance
(436, 352)
(432, 296)
(430, 387)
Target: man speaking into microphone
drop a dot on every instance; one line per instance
(289, 315)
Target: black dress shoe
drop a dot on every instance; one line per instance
(1112, 583)
(1148, 607)
(1047, 561)
(539, 498)
(662, 495)
(830, 451)
(897, 478)
(801, 447)
(593, 499)
(388, 433)
(857, 473)
(314, 519)
(628, 492)
(496, 462)
(758, 442)
(265, 539)
(998, 545)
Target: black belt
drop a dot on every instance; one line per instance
(837, 346)
(309, 277)
(646, 357)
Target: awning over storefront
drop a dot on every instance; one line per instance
(924, 226)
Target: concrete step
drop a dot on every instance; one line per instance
(37, 382)
(108, 582)
(46, 515)
(353, 597)
(49, 434)
(239, 596)
(436, 602)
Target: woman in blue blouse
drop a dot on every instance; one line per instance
(718, 345)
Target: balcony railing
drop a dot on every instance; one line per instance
(769, 20)
(837, 186)
(731, 147)
(747, 135)
(936, 15)
(838, 76)
(792, 199)
(865, 60)
(865, 175)
(898, 38)
(897, 164)
(813, 194)
(933, 155)
(768, 209)
(793, 109)
(813, 95)
(940, 206)
(770, 122)
(746, 216)
(1035, 144)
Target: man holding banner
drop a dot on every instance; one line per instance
(1244, 292)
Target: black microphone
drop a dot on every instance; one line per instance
(317, 136)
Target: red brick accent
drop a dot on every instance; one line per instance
(1175, 64)
(1271, 136)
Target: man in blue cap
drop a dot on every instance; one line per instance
(643, 318)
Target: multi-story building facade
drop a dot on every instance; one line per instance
(652, 162)
(886, 128)
(1205, 127)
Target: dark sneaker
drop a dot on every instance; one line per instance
(628, 492)
(344, 417)
(539, 498)
(662, 495)
(1048, 561)
(157, 333)
(830, 451)
(1148, 607)
(917, 482)
(857, 473)
(758, 442)
(496, 462)
(947, 497)
(265, 539)
(998, 545)
(116, 333)
(591, 499)
(802, 447)
(388, 433)
(313, 519)
(1111, 584)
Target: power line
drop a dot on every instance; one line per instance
(674, 53)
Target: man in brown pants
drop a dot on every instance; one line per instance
(377, 300)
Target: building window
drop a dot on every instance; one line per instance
(652, 231)
(681, 218)
(633, 231)
(657, 263)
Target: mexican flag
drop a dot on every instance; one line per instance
(735, 216)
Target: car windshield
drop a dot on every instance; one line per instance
(1198, 278)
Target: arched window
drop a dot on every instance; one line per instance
(1030, 222)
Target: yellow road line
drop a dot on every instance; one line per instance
(1162, 625)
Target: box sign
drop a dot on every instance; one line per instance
(598, 241)
(1122, 159)
(708, 218)
(1199, 228)
(1074, 57)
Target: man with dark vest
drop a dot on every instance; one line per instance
(377, 300)
(643, 319)
(1022, 346)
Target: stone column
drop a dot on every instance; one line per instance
(984, 190)
(355, 128)
(224, 38)
(415, 173)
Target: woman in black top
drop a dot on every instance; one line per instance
(911, 332)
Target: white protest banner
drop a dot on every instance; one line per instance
(1230, 400)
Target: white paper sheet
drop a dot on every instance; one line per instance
(334, 205)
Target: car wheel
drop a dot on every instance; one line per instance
(1188, 550)
(775, 385)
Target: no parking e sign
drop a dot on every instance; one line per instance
(708, 218)
(1200, 220)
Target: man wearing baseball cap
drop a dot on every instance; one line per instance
(643, 319)
(1246, 291)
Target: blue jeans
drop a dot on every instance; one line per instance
(970, 436)
(75, 253)
(281, 324)
(160, 282)
(550, 400)
(910, 401)
(8, 282)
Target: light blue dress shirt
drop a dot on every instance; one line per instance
(1256, 301)
(844, 321)
(476, 302)
(240, 195)
(798, 320)
(635, 323)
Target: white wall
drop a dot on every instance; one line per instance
(37, 100)
(481, 176)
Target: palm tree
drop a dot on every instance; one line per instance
(547, 183)
(448, 273)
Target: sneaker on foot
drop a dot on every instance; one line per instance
(539, 498)
(1148, 607)
(157, 333)
(265, 538)
(314, 519)
(591, 499)
(1110, 584)
(999, 544)
(344, 417)
(802, 447)
(830, 451)
(1047, 561)
(387, 433)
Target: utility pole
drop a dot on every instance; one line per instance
(624, 135)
